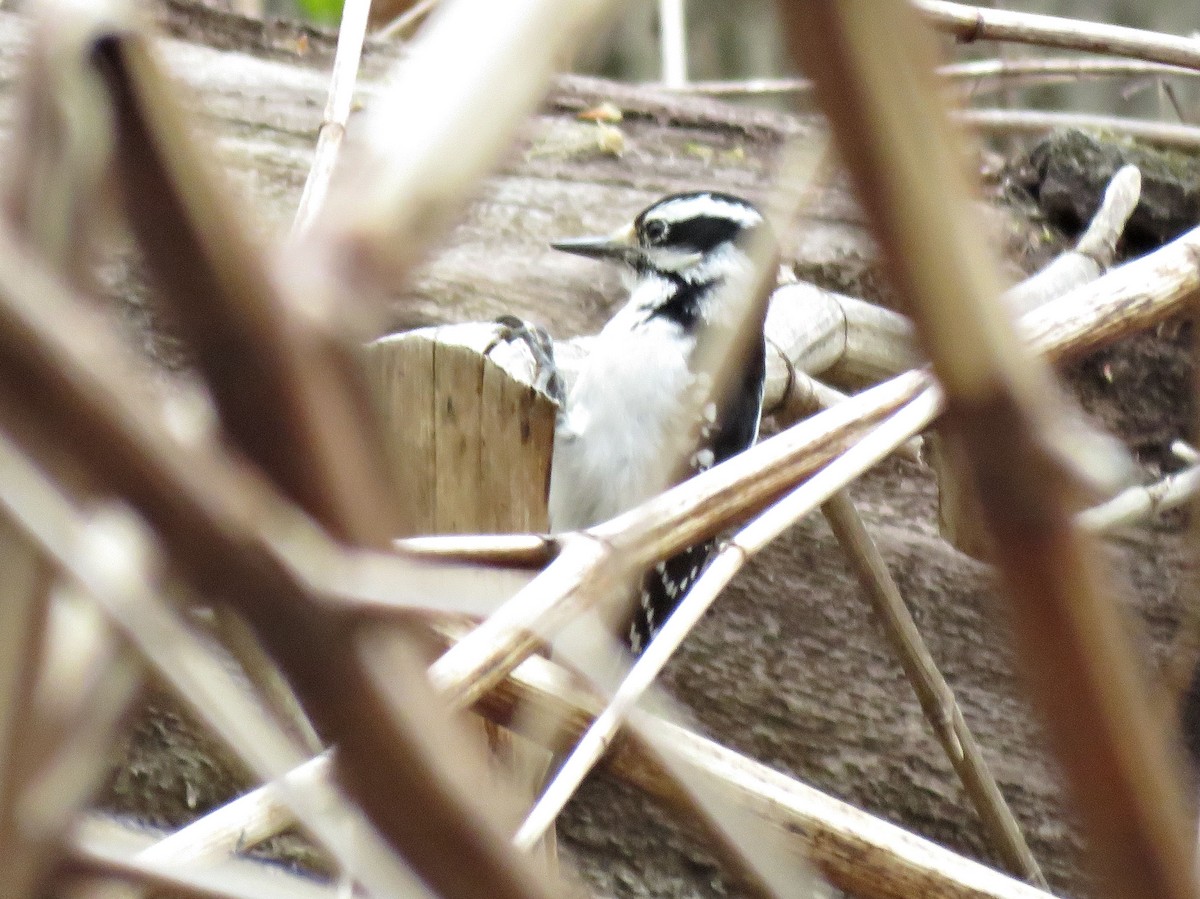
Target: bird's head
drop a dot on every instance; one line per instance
(697, 238)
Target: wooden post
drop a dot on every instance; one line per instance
(468, 442)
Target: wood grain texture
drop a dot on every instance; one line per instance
(469, 445)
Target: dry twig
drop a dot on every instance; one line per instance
(872, 86)
(876, 445)
(986, 76)
(1123, 301)
(104, 847)
(934, 693)
(982, 76)
(72, 395)
(351, 34)
(857, 851)
(1139, 503)
(672, 30)
(1030, 121)
(423, 146)
(975, 23)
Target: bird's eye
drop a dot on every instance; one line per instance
(655, 231)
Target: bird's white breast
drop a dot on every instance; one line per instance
(621, 417)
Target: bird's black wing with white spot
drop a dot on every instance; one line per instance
(733, 429)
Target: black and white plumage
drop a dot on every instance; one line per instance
(629, 403)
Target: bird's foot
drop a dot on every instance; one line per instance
(541, 347)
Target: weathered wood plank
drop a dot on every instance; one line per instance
(396, 379)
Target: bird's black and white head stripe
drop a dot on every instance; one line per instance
(685, 256)
(699, 222)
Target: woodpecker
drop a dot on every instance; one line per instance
(632, 396)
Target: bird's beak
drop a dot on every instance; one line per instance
(621, 244)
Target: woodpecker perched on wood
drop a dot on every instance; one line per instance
(634, 394)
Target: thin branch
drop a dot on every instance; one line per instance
(871, 76)
(584, 571)
(868, 451)
(983, 76)
(241, 824)
(859, 852)
(101, 846)
(672, 31)
(933, 692)
(1124, 300)
(440, 126)
(1139, 503)
(351, 34)
(1033, 121)
(975, 23)
(70, 388)
(986, 76)
(111, 556)
(510, 550)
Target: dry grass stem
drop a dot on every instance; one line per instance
(818, 332)
(1139, 503)
(989, 76)
(809, 396)
(683, 515)
(55, 181)
(112, 557)
(513, 550)
(756, 853)
(104, 847)
(50, 765)
(1126, 299)
(23, 599)
(872, 81)
(720, 571)
(672, 31)
(438, 128)
(245, 822)
(260, 669)
(1032, 121)
(933, 692)
(1185, 452)
(858, 852)
(308, 422)
(1093, 252)
(351, 34)
(69, 378)
(982, 77)
(974, 23)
